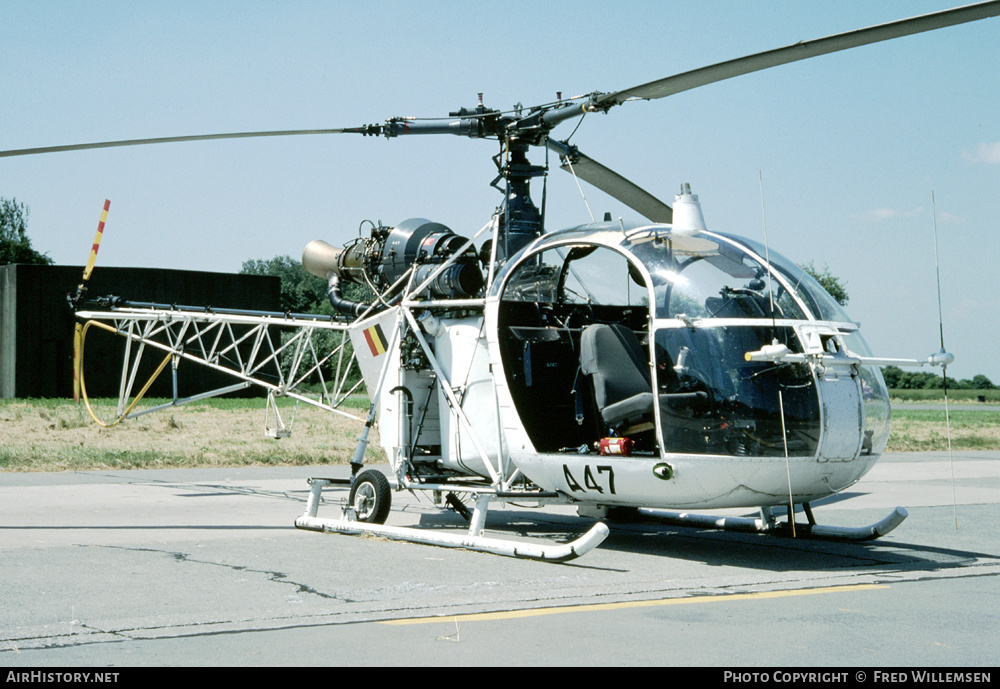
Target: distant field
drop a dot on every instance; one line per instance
(57, 435)
(975, 424)
(961, 396)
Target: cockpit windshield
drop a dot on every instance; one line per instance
(816, 299)
(700, 276)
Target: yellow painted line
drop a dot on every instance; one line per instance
(595, 607)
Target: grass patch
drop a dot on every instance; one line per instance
(926, 430)
(58, 435)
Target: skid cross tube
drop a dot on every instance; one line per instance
(472, 540)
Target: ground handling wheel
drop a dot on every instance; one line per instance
(371, 497)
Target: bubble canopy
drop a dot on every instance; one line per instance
(688, 269)
(614, 326)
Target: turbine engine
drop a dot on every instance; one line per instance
(384, 259)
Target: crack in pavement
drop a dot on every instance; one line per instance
(272, 575)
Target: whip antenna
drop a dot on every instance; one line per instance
(767, 254)
(774, 338)
(944, 367)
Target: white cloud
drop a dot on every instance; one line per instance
(984, 153)
(950, 218)
(879, 214)
(882, 214)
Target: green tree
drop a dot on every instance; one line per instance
(832, 284)
(300, 291)
(981, 382)
(15, 246)
(892, 376)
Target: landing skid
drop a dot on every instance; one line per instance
(766, 523)
(472, 540)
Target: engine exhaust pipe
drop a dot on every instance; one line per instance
(322, 259)
(334, 265)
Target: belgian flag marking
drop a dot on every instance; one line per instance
(376, 339)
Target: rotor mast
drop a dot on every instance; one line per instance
(520, 219)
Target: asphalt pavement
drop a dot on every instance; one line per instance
(203, 567)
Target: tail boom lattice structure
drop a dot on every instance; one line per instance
(276, 352)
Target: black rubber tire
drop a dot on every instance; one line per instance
(371, 497)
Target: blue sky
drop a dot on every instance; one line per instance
(850, 146)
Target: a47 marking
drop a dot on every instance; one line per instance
(603, 480)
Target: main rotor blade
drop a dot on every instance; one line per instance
(175, 139)
(613, 184)
(802, 51)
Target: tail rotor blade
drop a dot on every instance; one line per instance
(80, 289)
(97, 242)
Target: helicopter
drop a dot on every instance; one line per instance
(613, 366)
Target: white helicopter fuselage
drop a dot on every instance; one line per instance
(705, 428)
